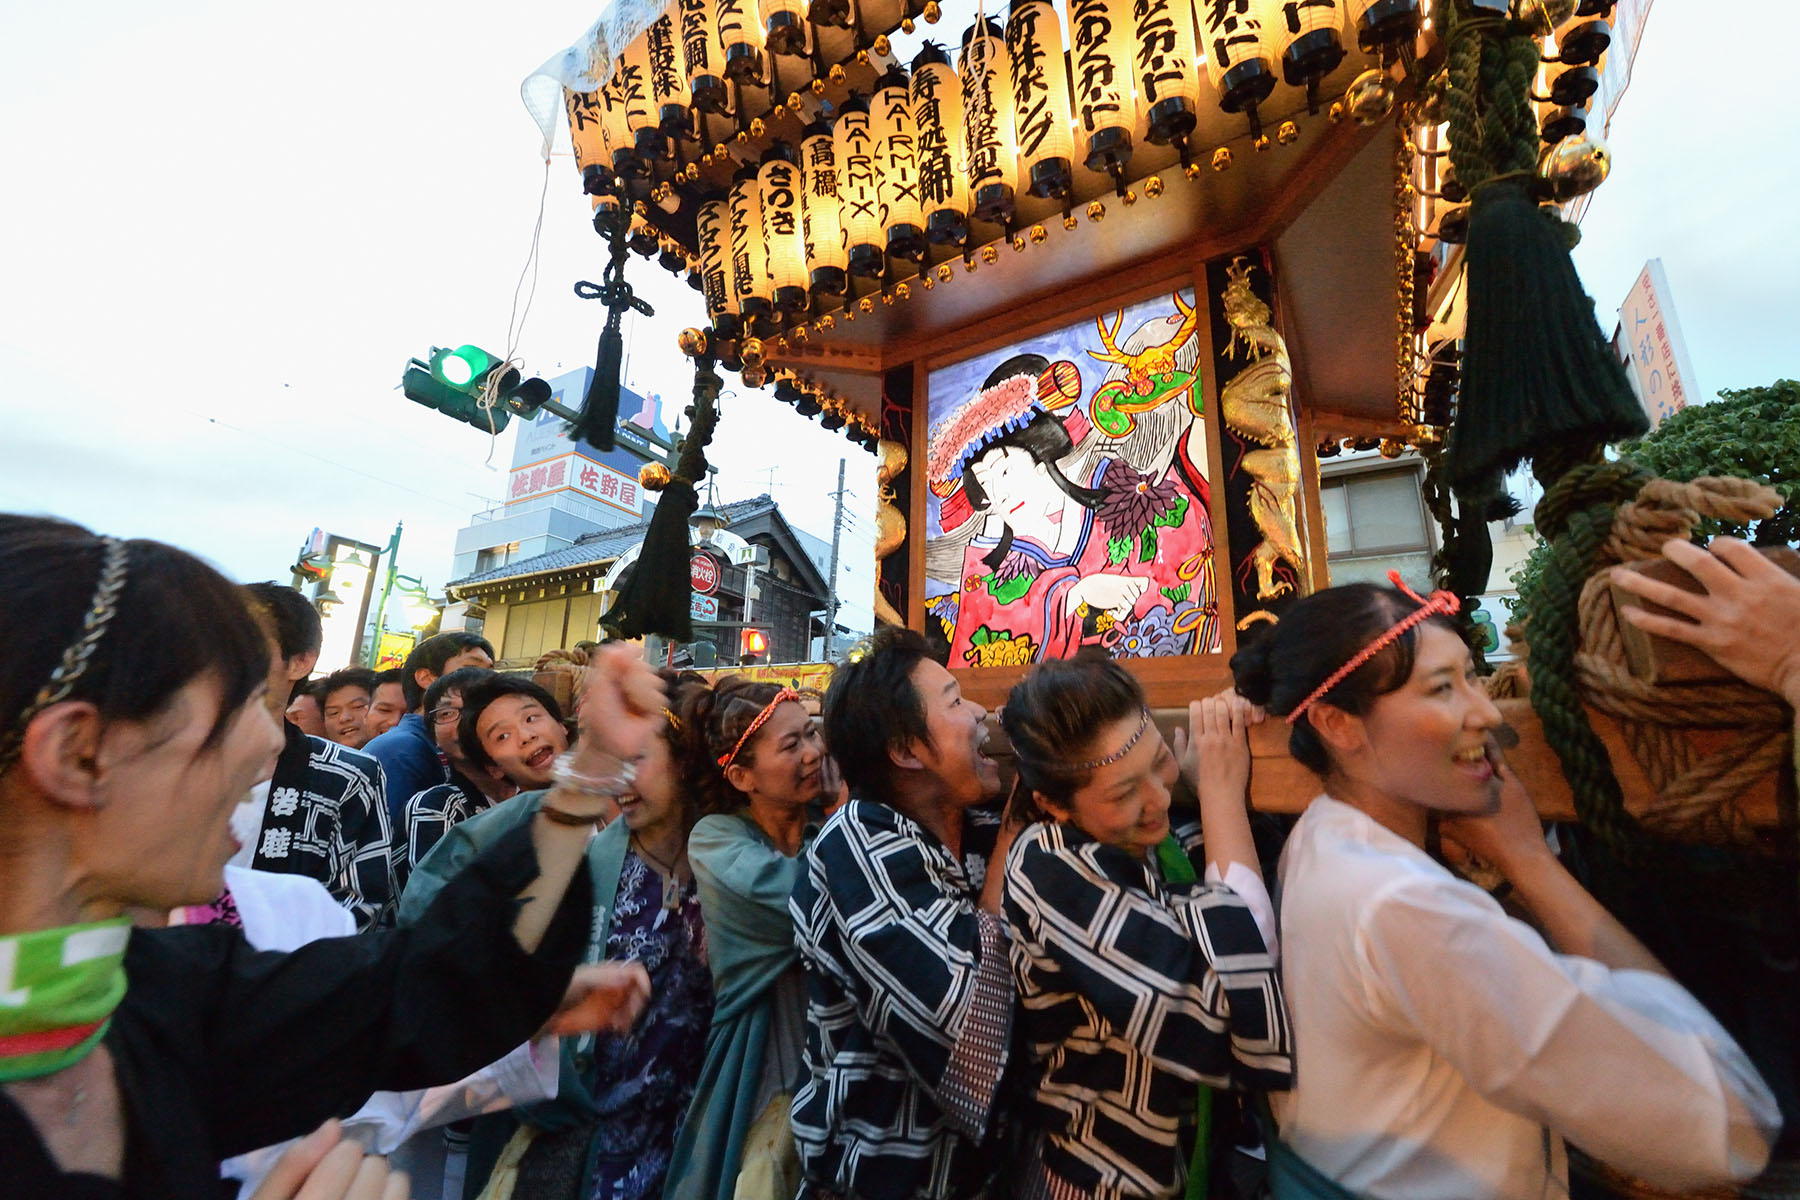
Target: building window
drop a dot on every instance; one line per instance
(1377, 512)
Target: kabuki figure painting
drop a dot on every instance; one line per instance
(1068, 498)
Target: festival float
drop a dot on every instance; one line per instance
(1100, 282)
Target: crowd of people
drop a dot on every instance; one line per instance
(712, 941)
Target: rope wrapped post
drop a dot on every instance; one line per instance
(600, 408)
(656, 592)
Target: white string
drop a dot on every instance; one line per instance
(515, 321)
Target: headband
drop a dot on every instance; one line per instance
(1440, 602)
(1122, 751)
(786, 693)
(80, 652)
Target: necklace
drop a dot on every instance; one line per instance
(671, 880)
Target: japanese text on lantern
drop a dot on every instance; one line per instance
(896, 164)
(712, 228)
(981, 112)
(856, 164)
(697, 37)
(666, 81)
(1158, 66)
(1030, 87)
(1234, 32)
(937, 111)
(1099, 99)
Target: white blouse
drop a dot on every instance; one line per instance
(1441, 1048)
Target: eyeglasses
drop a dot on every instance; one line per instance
(445, 715)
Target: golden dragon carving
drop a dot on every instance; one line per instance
(1256, 405)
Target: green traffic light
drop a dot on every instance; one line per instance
(462, 368)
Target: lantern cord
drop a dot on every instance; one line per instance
(600, 408)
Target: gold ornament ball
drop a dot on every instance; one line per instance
(757, 128)
(1370, 97)
(1261, 142)
(1575, 166)
(793, 102)
(906, 24)
(1392, 447)
(990, 255)
(1069, 221)
(639, 209)
(1221, 159)
(1287, 133)
(801, 335)
(867, 304)
(1130, 197)
(887, 298)
(705, 160)
(932, 12)
(653, 477)
(776, 113)
(753, 376)
(752, 352)
(818, 87)
(1336, 112)
(928, 282)
(849, 315)
(881, 45)
(1153, 186)
(692, 341)
(719, 151)
(902, 292)
(1017, 243)
(828, 322)
(836, 74)
(1038, 234)
(1095, 210)
(743, 135)
(862, 58)
(969, 265)
(1192, 171)
(945, 272)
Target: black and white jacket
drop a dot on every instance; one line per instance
(1132, 991)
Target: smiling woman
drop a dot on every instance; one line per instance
(130, 675)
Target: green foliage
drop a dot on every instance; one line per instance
(1749, 432)
(1525, 579)
(1117, 549)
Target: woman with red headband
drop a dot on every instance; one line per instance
(755, 763)
(1442, 1048)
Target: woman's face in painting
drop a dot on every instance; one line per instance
(1021, 493)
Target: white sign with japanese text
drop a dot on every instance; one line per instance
(575, 473)
(1650, 336)
(703, 608)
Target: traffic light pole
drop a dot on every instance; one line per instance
(387, 588)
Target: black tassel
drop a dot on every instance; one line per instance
(1536, 370)
(600, 408)
(656, 593)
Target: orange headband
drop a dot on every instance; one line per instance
(786, 693)
(1440, 602)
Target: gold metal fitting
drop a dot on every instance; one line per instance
(1130, 197)
(1221, 160)
(836, 74)
(945, 272)
(705, 160)
(757, 127)
(719, 151)
(867, 304)
(1336, 112)
(881, 44)
(818, 87)
(777, 112)
(1262, 142)
(743, 135)
(902, 292)
(990, 255)
(969, 265)
(906, 24)
(849, 315)
(1095, 210)
(827, 322)
(1038, 234)
(752, 352)
(753, 376)
(1192, 170)
(932, 12)
(793, 101)
(801, 335)
(1017, 242)
(1392, 447)
(1153, 186)
(862, 58)
(692, 341)
(639, 208)
(1288, 132)
(1069, 221)
(928, 283)
(887, 298)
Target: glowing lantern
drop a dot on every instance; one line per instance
(824, 233)
(937, 110)
(633, 84)
(1240, 54)
(784, 25)
(615, 129)
(993, 155)
(741, 37)
(896, 138)
(1040, 92)
(587, 115)
(1167, 79)
(1100, 69)
(854, 150)
(1308, 38)
(778, 192)
(668, 80)
(702, 60)
(714, 235)
(1385, 24)
(749, 257)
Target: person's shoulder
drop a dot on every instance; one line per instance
(405, 739)
(437, 798)
(343, 758)
(490, 823)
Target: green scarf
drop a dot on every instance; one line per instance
(58, 990)
(1177, 867)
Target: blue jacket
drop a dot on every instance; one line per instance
(410, 761)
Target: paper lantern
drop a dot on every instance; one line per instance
(1309, 41)
(854, 148)
(1166, 69)
(896, 138)
(615, 129)
(1100, 71)
(992, 152)
(937, 111)
(593, 157)
(713, 229)
(1384, 24)
(784, 25)
(1040, 93)
(778, 193)
(749, 258)
(1240, 54)
(633, 79)
(701, 58)
(668, 79)
(819, 205)
(741, 38)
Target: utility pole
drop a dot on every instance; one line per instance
(837, 529)
(393, 556)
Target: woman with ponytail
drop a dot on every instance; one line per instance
(754, 759)
(1137, 981)
(1443, 1048)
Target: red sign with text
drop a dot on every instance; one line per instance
(703, 572)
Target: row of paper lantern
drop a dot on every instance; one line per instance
(1132, 69)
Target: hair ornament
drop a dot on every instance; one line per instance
(1122, 751)
(762, 718)
(1438, 602)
